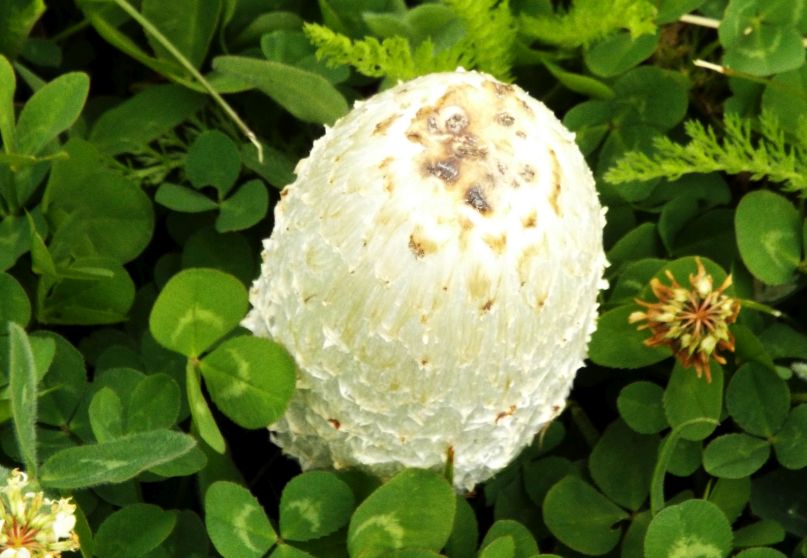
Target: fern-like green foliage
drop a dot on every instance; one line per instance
(773, 156)
(491, 34)
(487, 45)
(587, 21)
(393, 57)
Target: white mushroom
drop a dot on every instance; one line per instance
(434, 272)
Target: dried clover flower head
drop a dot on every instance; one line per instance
(32, 526)
(693, 322)
(434, 272)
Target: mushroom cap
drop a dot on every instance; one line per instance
(434, 272)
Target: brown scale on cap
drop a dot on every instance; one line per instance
(467, 137)
(553, 198)
(415, 137)
(527, 172)
(469, 140)
(389, 183)
(508, 413)
(416, 249)
(447, 170)
(505, 119)
(497, 243)
(382, 126)
(500, 89)
(466, 146)
(475, 197)
(420, 245)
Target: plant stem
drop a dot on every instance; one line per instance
(584, 424)
(662, 463)
(709, 22)
(759, 307)
(72, 30)
(726, 71)
(700, 21)
(185, 63)
(765, 309)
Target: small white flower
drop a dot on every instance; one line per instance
(32, 526)
(64, 520)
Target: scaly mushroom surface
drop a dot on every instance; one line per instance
(434, 272)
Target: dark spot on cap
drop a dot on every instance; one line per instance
(382, 126)
(508, 413)
(415, 137)
(487, 306)
(475, 197)
(502, 89)
(521, 134)
(421, 245)
(447, 171)
(456, 123)
(335, 423)
(505, 119)
(527, 173)
(467, 147)
(529, 221)
(416, 248)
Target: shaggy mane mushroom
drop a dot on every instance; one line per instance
(434, 272)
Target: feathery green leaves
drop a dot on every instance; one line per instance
(587, 21)
(491, 34)
(773, 155)
(393, 57)
(488, 45)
